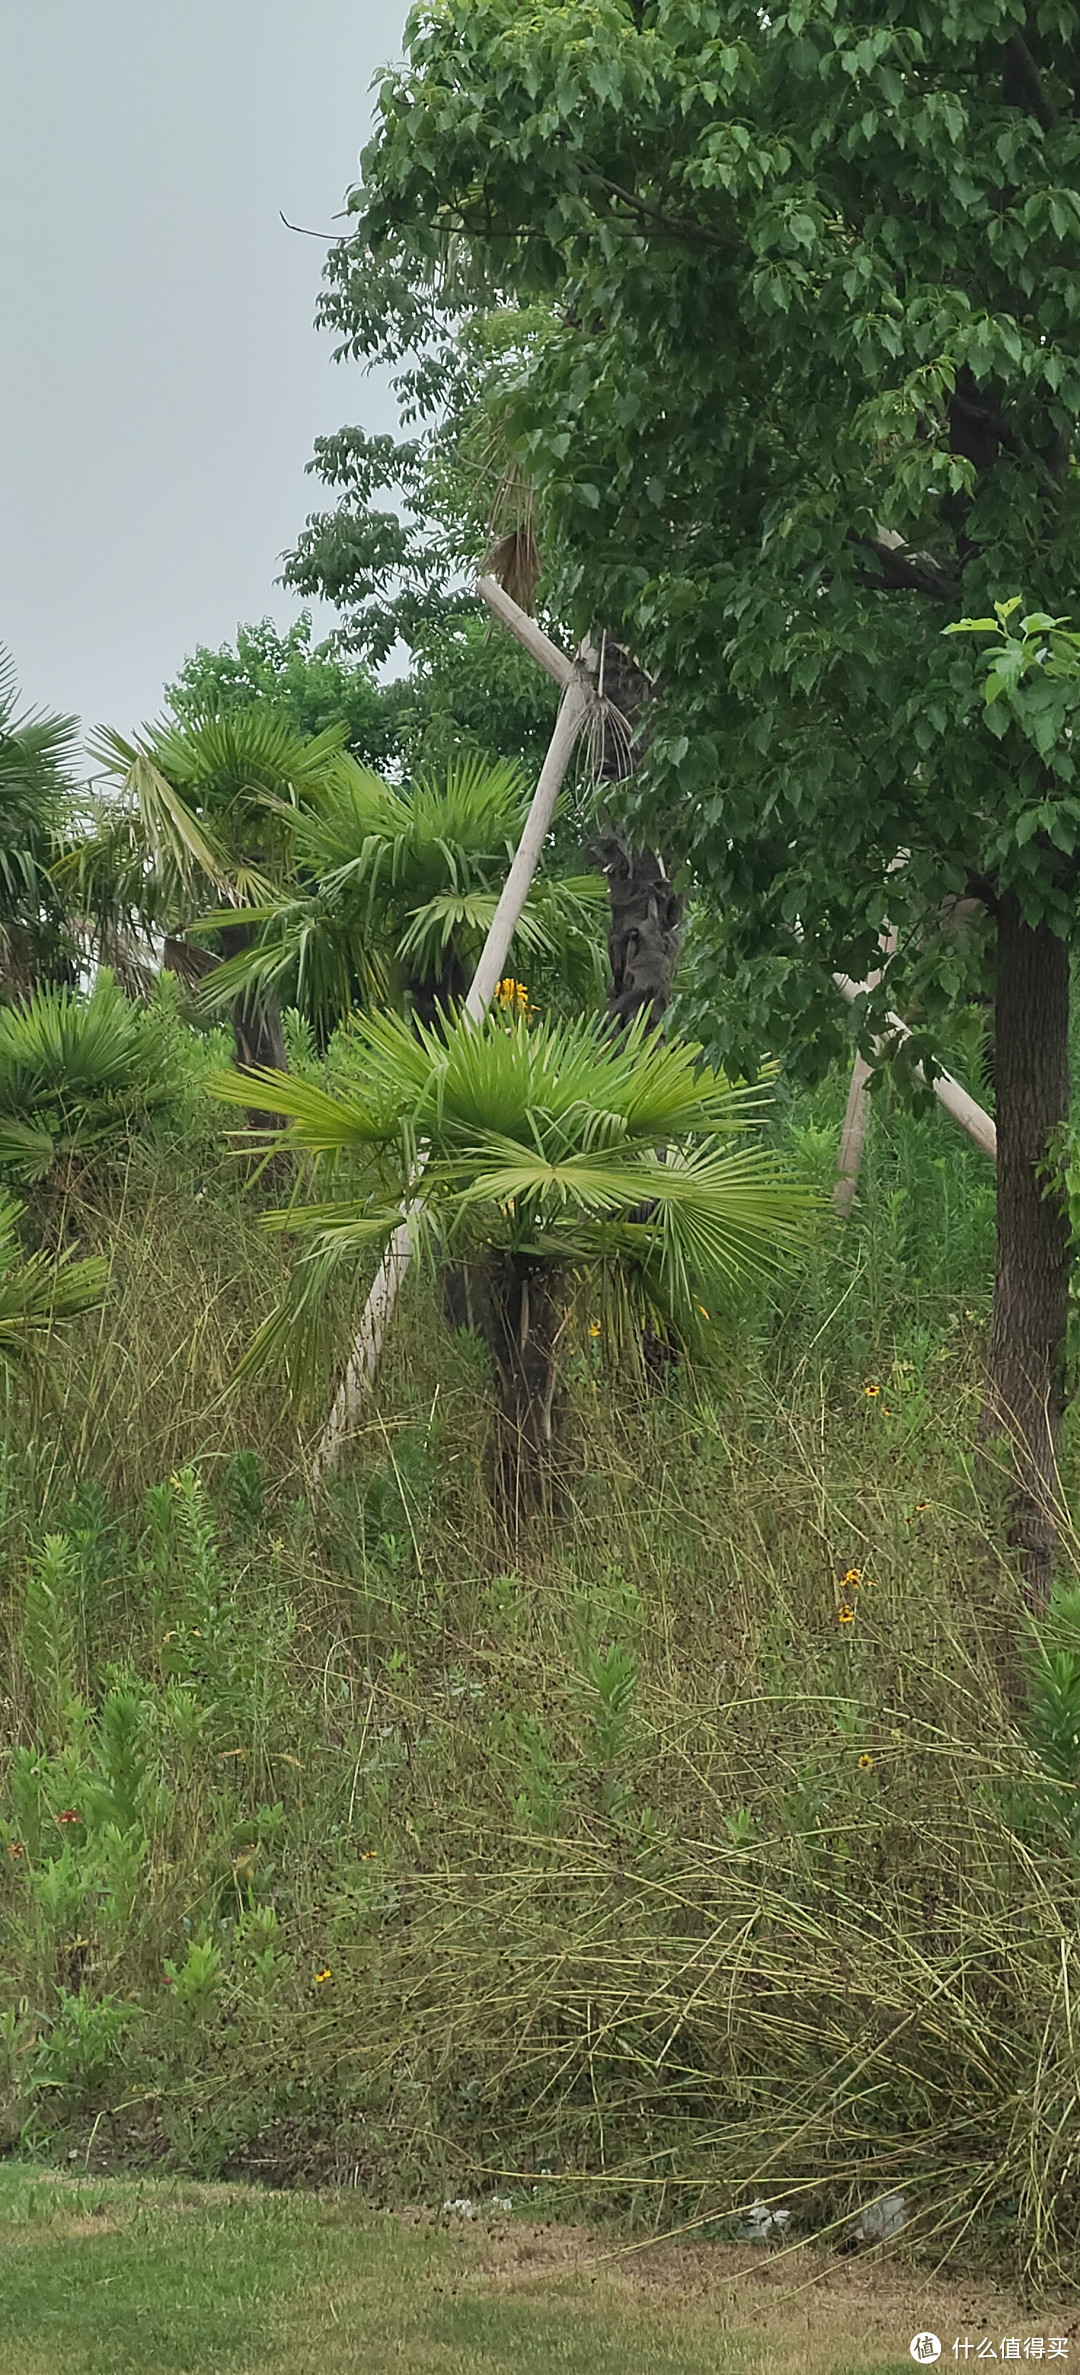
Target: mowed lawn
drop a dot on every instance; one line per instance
(135, 2277)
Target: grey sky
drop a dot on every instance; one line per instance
(163, 382)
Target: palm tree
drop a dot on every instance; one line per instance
(392, 889)
(193, 828)
(35, 754)
(76, 1073)
(579, 1173)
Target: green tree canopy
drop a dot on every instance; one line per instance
(309, 684)
(807, 386)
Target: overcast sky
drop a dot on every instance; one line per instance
(163, 382)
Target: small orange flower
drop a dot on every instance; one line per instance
(367, 1855)
(70, 1814)
(15, 1850)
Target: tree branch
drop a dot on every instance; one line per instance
(1024, 86)
(915, 573)
(695, 234)
(986, 420)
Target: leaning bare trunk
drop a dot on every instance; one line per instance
(1031, 1284)
(517, 1311)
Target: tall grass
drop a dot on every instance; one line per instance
(718, 1850)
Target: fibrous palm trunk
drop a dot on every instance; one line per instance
(645, 909)
(1026, 1397)
(518, 1311)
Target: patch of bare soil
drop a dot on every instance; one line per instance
(805, 2310)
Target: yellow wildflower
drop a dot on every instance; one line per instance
(846, 1616)
(513, 997)
(321, 1977)
(866, 1764)
(871, 1392)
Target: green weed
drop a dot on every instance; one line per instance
(725, 1847)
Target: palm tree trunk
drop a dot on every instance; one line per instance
(646, 910)
(521, 1322)
(643, 935)
(258, 1038)
(256, 1018)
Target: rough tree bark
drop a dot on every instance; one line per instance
(646, 911)
(1026, 1385)
(518, 1312)
(853, 1136)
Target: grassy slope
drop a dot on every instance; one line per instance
(627, 1859)
(153, 2279)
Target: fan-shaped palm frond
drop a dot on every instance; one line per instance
(201, 797)
(403, 886)
(75, 1070)
(540, 1145)
(35, 757)
(175, 840)
(37, 1292)
(36, 749)
(224, 757)
(194, 819)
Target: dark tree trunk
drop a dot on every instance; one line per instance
(646, 911)
(517, 1310)
(256, 1022)
(256, 1019)
(643, 936)
(432, 997)
(1031, 1285)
